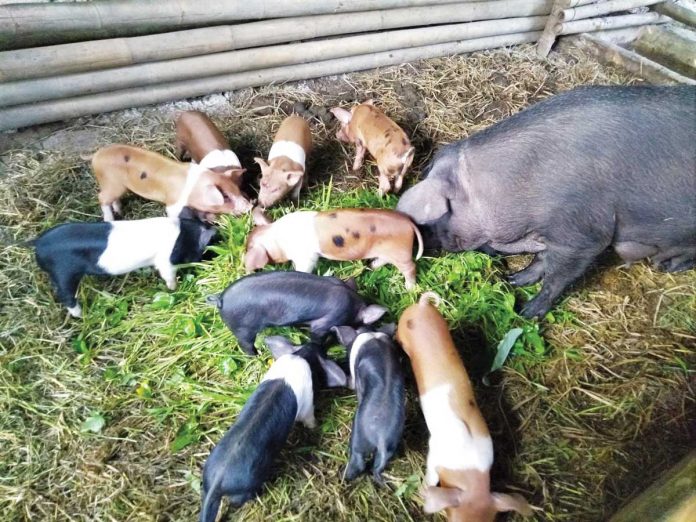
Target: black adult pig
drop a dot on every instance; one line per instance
(567, 178)
(285, 298)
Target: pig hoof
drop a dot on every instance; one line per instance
(534, 308)
(171, 285)
(522, 279)
(75, 311)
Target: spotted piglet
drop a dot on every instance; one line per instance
(123, 168)
(344, 234)
(460, 450)
(242, 461)
(372, 130)
(285, 169)
(200, 140)
(377, 377)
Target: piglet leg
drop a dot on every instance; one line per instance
(66, 290)
(384, 184)
(295, 195)
(359, 156)
(529, 275)
(306, 264)
(408, 269)
(168, 272)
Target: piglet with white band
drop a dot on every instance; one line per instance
(377, 377)
(285, 169)
(243, 459)
(123, 168)
(460, 450)
(302, 237)
(70, 251)
(372, 130)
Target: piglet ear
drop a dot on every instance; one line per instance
(369, 102)
(371, 313)
(255, 258)
(389, 329)
(261, 163)
(234, 173)
(260, 218)
(345, 335)
(437, 499)
(342, 115)
(293, 177)
(335, 376)
(279, 346)
(350, 283)
(511, 502)
(212, 196)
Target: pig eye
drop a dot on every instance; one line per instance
(289, 176)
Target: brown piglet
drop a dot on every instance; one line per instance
(197, 138)
(285, 169)
(123, 168)
(344, 234)
(370, 129)
(460, 450)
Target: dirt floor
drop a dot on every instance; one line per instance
(111, 417)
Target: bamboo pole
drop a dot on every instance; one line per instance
(25, 115)
(678, 12)
(117, 52)
(669, 49)
(611, 53)
(592, 10)
(24, 25)
(42, 89)
(611, 22)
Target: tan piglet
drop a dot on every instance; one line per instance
(460, 450)
(370, 129)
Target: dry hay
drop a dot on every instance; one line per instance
(579, 424)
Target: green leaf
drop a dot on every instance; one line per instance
(408, 487)
(187, 434)
(93, 423)
(504, 347)
(162, 301)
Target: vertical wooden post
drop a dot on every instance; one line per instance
(548, 36)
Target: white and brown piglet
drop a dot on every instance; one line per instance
(342, 235)
(372, 130)
(198, 139)
(460, 450)
(285, 169)
(123, 168)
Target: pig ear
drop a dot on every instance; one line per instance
(234, 173)
(350, 283)
(511, 502)
(345, 335)
(261, 163)
(389, 329)
(279, 346)
(212, 196)
(371, 313)
(255, 258)
(293, 177)
(260, 218)
(425, 202)
(369, 102)
(335, 376)
(342, 115)
(437, 499)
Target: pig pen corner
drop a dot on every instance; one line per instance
(112, 416)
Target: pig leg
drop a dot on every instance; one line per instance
(384, 184)
(562, 266)
(306, 263)
(167, 271)
(66, 291)
(678, 263)
(408, 269)
(309, 420)
(529, 275)
(246, 337)
(356, 464)
(378, 262)
(295, 194)
(116, 207)
(382, 456)
(107, 199)
(359, 155)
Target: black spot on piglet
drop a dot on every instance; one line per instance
(126, 158)
(409, 324)
(356, 235)
(333, 215)
(338, 241)
(143, 175)
(373, 228)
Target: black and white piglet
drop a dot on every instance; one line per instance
(378, 379)
(281, 298)
(241, 462)
(70, 251)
